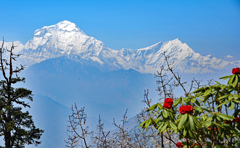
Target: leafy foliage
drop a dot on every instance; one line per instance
(16, 125)
(214, 121)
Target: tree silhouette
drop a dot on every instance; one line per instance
(16, 125)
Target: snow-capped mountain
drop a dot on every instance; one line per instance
(18, 46)
(66, 39)
(62, 39)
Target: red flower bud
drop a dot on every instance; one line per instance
(236, 71)
(186, 109)
(179, 145)
(168, 103)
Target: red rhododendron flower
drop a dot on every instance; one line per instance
(165, 105)
(186, 109)
(236, 70)
(168, 103)
(182, 110)
(179, 144)
(237, 119)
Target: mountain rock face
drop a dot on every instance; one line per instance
(66, 39)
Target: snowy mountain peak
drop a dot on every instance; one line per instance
(63, 35)
(176, 40)
(63, 26)
(66, 39)
(68, 26)
(61, 39)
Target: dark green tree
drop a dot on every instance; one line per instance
(16, 125)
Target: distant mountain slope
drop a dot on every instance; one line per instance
(66, 39)
(68, 82)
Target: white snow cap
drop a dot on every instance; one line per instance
(66, 39)
(61, 26)
(68, 26)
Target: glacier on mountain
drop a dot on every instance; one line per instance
(66, 39)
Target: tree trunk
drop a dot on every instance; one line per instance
(7, 140)
(162, 145)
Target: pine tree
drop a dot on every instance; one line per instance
(16, 125)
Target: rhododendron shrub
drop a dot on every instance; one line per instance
(206, 117)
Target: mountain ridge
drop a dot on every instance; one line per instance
(66, 39)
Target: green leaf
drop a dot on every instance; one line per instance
(155, 113)
(232, 105)
(165, 113)
(230, 81)
(159, 106)
(207, 92)
(236, 96)
(173, 126)
(218, 118)
(235, 81)
(218, 83)
(152, 107)
(149, 122)
(204, 117)
(198, 90)
(205, 109)
(192, 127)
(184, 132)
(236, 101)
(170, 115)
(218, 124)
(193, 100)
(187, 125)
(142, 124)
(223, 97)
(164, 127)
(190, 134)
(225, 102)
(208, 123)
(160, 127)
(182, 120)
(196, 121)
(197, 103)
(230, 98)
(224, 116)
(225, 77)
(177, 102)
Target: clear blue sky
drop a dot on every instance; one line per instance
(207, 26)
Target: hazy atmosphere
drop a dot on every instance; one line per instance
(107, 56)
